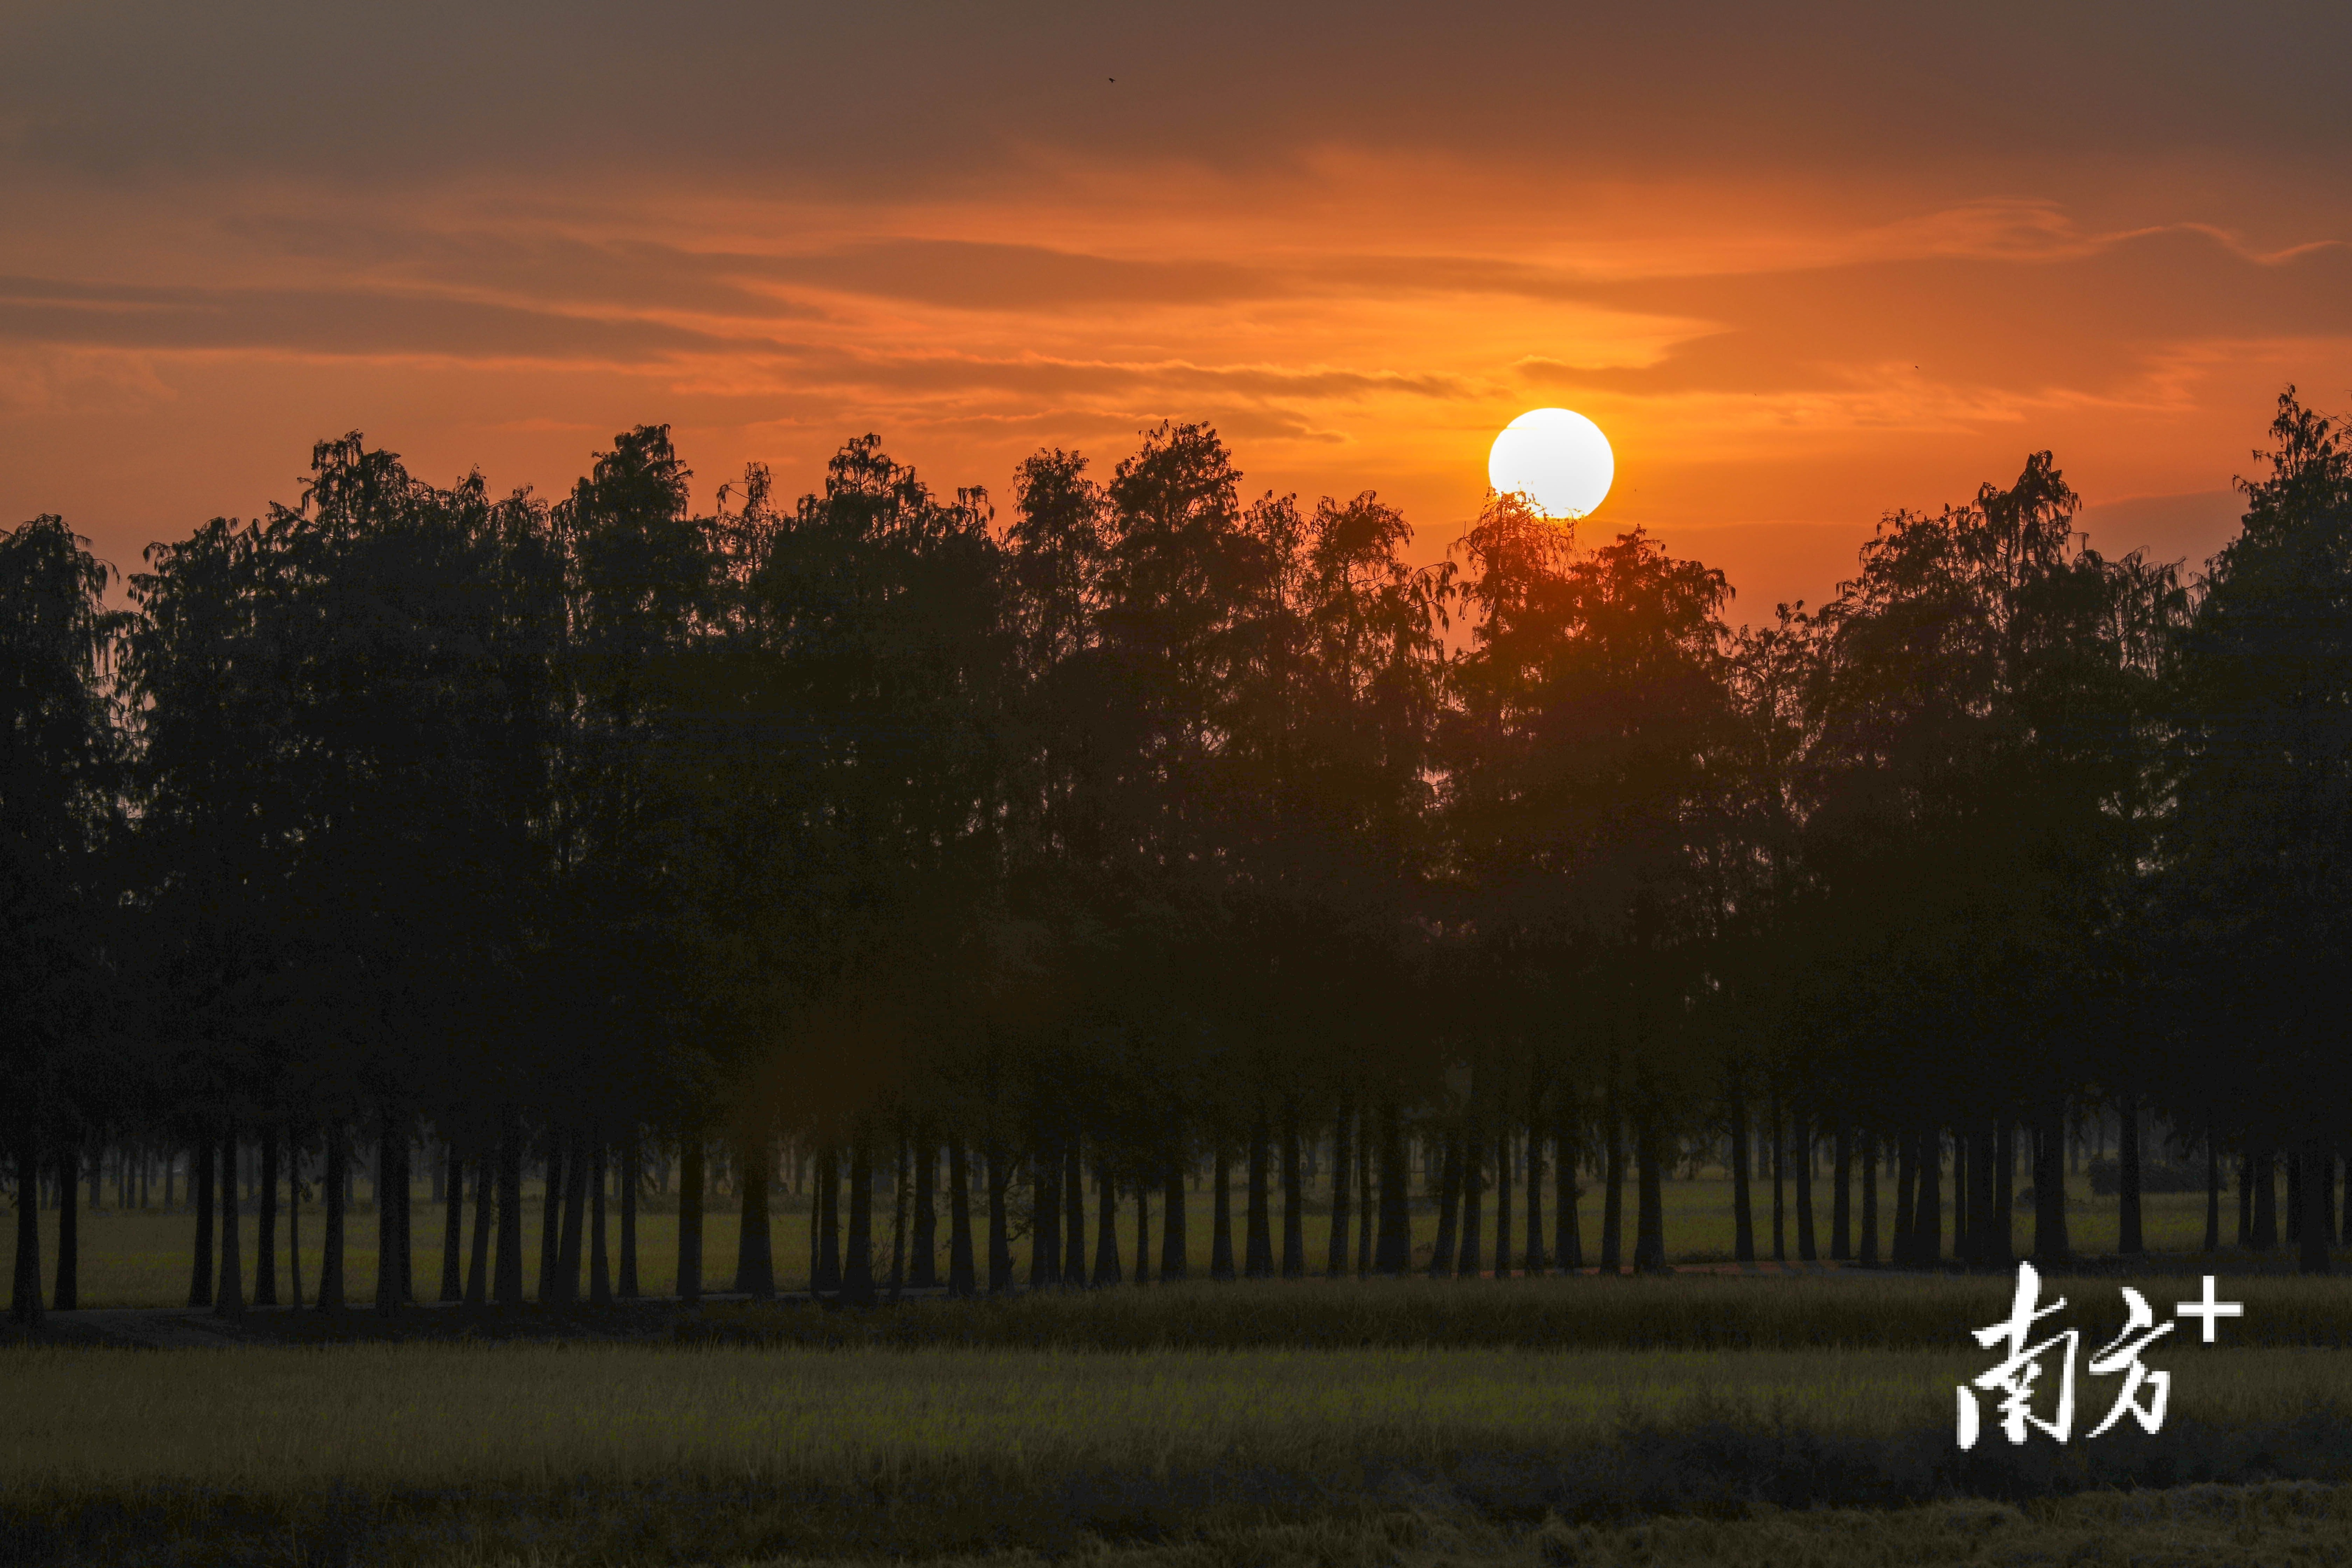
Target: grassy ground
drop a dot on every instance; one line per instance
(2264, 1526)
(141, 1257)
(1683, 1313)
(543, 1454)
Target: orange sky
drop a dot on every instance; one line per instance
(1801, 271)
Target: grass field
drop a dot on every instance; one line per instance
(1704, 1417)
(1682, 1313)
(141, 1257)
(543, 1454)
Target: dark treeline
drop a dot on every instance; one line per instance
(1025, 869)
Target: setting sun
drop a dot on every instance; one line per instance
(1557, 459)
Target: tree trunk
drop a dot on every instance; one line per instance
(2245, 1200)
(1046, 1215)
(1392, 1253)
(575, 1206)
(477, 1262)
(1142, 1231)
(550, 1224)
(1343, 1183)
(1868, 1251)
(2265, 1201)
(901, 1177)
(1568, 1248)
(1743, 1213)
(1907, 1192)
(1984, 1204)
(1294, 1204)
(1106, 1270)
(2127, 1211)
(1962, 1182)
(824, 1226)
(2314, 1196)
(1000, 1242)
(1612, 1182)
(632, 1170)
(1650, 1232)
(2050, 1244)
(1841, 1198)
(2319, 1217)
(453, 1225)
(691, 1159)
(1366, 1196)
(1258, 1256)
(25, 1286)
(1779, 1143)
(1174, 1244)
(1471, 1263)
(924, 1270)
(1502, 1204)
(264, 1224)
(1806, 1251)
(1074, 1218)
(1927, 1219)
(857, 1257)
(293, 1214)
(1449, 1202)
(200, 1195)
(600, 1277)
(228, 1302)
(1534, 1262)
(963, 1278)
(506, 1275)
(2212, 1190)
(66, 1297)
(2004, 1198)
(403, 1210)
(1221, 1218)
(755, 1257)
(330, 1244)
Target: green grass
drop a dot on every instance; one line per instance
(140, 1258)
(1685, 1312)
(2265, 1526)
(543, 1454)
(405, 1415)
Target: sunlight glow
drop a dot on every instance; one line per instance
(1558, 459)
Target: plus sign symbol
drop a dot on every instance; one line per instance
(2207, 1310)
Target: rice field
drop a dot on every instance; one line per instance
(413, 1416)
(426, 1415)
(1679, 1312)
(411, 1453)
(140, 1258)
(1702, 1417)
(2277, 1525)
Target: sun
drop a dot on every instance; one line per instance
(1557, 459)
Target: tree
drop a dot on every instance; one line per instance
(2263, 774)
(59, 795)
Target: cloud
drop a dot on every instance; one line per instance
(530, 262)
(58, 381)
(878, 100)
(2096, 320)
(349, 322)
